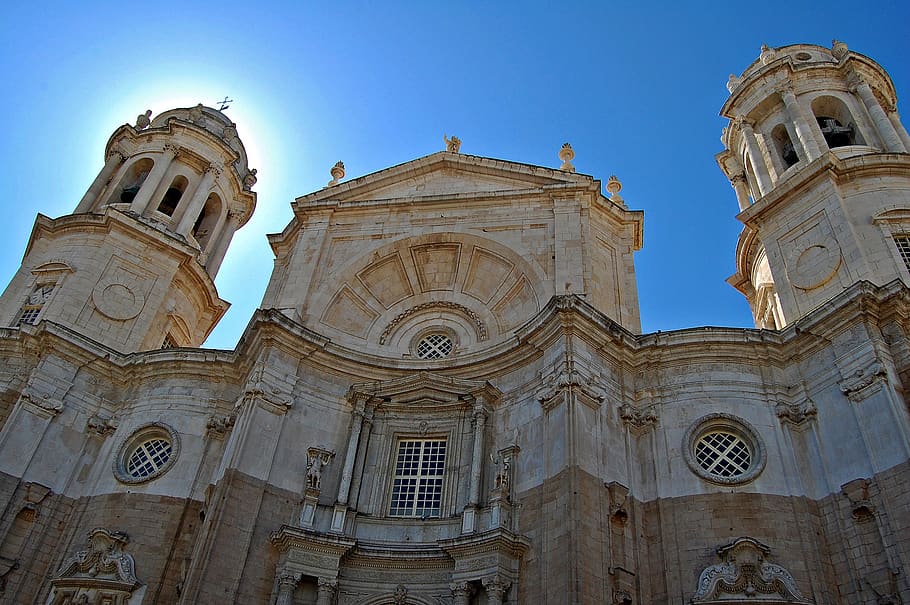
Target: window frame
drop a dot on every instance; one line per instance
(140, 436)
(421, 477)
(726, 423)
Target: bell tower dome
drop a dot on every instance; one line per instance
(133, 266)
(818, 158)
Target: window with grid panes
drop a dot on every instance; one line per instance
(417, 484)
(903, 247)
(723, 454)
(32, 307)
(434, 346)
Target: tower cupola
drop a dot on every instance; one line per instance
(133, 266)
(813, 133)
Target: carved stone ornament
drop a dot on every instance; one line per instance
(861, 507)
(337, 173)
(482, 333)
(745, 574)
(453, 144)
(570, 376)
(101, 426)
(614, 186)
(143, 120)
(401, 595)
(567, 154)
(250, 179)
(864, 382)
(102, 573)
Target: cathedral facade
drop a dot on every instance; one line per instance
(445, 396)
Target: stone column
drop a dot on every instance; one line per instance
(883, 125)
(898, 126)
(287, 583)
(496, 589)
(326, 591)
(801, 124)
(461, 593)
(163, 162)
(214, 258)
(762, 177)
(479, 419)
(113, 162)
(194, 207)
(344, 488)
(741, 187)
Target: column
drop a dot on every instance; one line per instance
(479, 419)
(883, 125)
(741, 187)
(898, 126)
(347, 472)
(214, 258)
(496, 589)
(461, 593)
(194, 207)
(163, 162)
(755, 156)
(803, 131)
(326, 591)
(287, 583)
(113, 162)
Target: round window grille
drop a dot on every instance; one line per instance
(149, 457)
(723, 449)
(723, 454)
(146, 454)
(434, 346)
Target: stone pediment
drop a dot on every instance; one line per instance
(424, 388)
(447, 175)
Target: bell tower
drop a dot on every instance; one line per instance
(818, 157)
(133, 266)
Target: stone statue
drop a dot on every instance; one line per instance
(733, 82)
(314, 472)
(838, 49)
(196, 115)
(767, 54)
(143, 120)
(250, 179)
(453, 144)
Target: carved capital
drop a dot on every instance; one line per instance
(864, 382)
(214, 169)
(218, 427)
(100, 426)
(496, 587)
(784, 89)
(638, 419)
(327, 586)
(171, 148)
(796, 413)
(288, 580)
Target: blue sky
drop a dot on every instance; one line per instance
(635, 88)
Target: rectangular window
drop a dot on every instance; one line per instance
(32, 307)
(903, 246)
(419, 470)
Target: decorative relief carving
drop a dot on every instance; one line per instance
(41, 404)
(570, 376)
(102, 573)
(857, 491)
(745, 574)
(482, 333)
(816, 265)
(864, 382)
(618, 494)
(401, 595)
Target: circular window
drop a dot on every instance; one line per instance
(147, 454)
(435, 345)
(723, 449)
(803, 56)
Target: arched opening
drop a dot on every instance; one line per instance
(207, 220)
(172, 195)
(132, 180)
(784, 145)
(836, 122)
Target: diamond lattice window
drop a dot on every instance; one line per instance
(419, 470)
(434, 346)
(148, 458)
(903, 246)
(723, 454)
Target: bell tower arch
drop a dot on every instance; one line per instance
(815, 150)
(133, 266)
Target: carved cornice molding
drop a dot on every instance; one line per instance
(566, 377)
(482, 333)
(288, 538)
(500, 540)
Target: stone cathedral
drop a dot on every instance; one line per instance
(445, 396)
